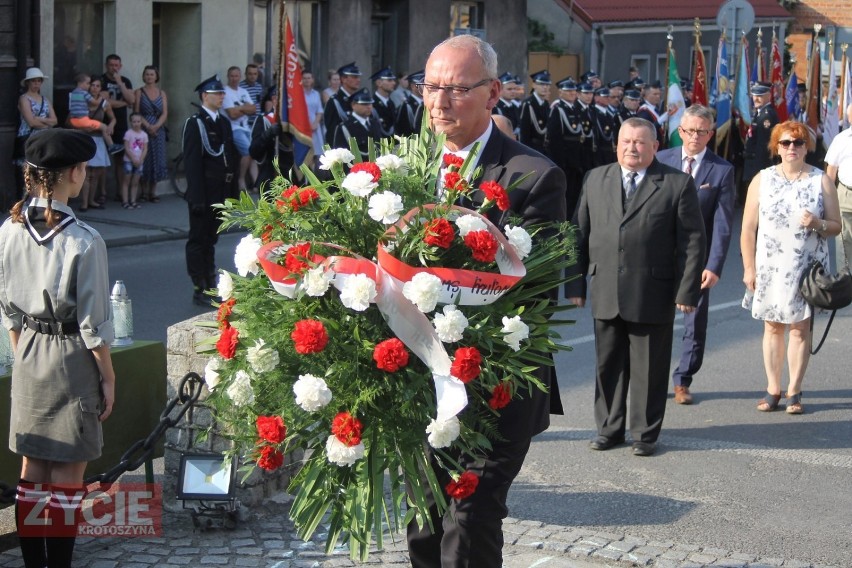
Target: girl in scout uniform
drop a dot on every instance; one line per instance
(54, 300)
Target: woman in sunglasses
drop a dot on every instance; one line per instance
(790, 211)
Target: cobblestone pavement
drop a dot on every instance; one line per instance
(266, 538)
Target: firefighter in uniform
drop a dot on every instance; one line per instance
(409, 115)
(534, 112)
(588, 145)
(756, 154)
(504, 105)
(383, 106)
(604, 127)
(629, 106)
(338, 105)
(211, 161)
(564, 133)
(361, 124)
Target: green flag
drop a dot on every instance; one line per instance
(674, 98)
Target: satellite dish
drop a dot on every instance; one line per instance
(736, 14)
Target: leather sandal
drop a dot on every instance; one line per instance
(769, 402)
(794, 404)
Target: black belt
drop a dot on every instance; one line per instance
(51, 327)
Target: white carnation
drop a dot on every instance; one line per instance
(393, 163)
(385, 207)
(451, 324)
(211, 373)
(359, 184)
(423, 290)
(261, 358)
(225, 286)
(519, 239)
(515, 331)
(240, 390)
(312, 393)
(443, 433)
(358, 291)
(470, 223)
(341, 454)
(316, 281)
(245, 257)
(335, 156)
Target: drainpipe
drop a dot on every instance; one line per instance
(593, 49)
(599, 66)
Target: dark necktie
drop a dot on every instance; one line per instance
(630, 188)
(689, 161)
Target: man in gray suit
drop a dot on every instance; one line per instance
(641, 240)
(460, 88)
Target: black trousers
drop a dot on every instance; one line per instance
(636, 357)
(694, 338)
(201, 246)
(470, 534)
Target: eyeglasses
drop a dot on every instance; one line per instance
(692, 132)
(454, 92)
(798, 143)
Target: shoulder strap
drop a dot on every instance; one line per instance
(824, 334)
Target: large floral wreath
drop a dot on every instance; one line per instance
(374, 323)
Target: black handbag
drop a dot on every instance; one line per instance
(828, 291)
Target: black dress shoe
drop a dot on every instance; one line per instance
(202, 299)
(601, 443)
(644, 449)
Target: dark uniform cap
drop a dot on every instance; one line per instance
(685, 85)
(567, 84)
(59, 148)
(586, 88)
(210, 85)
(417, 77)
(655, 85)
(602, 92)
(760, 88)
(616, 83)
(506, 78)
(590, 74)
(541, 77)
(361, 97)
(517, 80)
(349, 69)
(385, 73)
(632, 94)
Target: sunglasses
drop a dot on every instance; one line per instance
(798, 143)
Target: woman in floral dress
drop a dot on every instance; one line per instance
(152, 103)
(790, 211)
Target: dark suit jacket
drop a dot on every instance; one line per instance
(716, 194)
(539, 198)
(646, 259)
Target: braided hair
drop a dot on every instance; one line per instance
(34, 179)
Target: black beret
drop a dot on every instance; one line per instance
(59, 148)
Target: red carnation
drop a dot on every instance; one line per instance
(266, 236)
(494, 192)
(439, 233)
(296, 258)
(224, 312)
(271, 429)
(451, 160)
(390, 355)
(369, 167)
(464, 486)
(308, 196)
(286, 199)
(500, 396)
(309, 336)
(466, 364)
(452, 180)
(482, 244)
(270, 459)
(227, 343)
(347, 429)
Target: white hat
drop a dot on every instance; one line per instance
(32, 73)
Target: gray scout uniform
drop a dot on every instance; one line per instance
(54, 290)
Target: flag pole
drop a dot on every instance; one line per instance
(841, 108)
(669, 37)
(282, 59)
(758, 51)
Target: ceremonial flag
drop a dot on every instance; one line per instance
(778, 98)
(699, 83)
(831, 120)
(742, 100)
(758, 72)
(723, 93)
(674, 98)
(793, 107)
(293, 106)
(845, 90)
(812, 111)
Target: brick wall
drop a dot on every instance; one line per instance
(826, 12)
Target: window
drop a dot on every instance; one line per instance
(465, 17)
(642, 63)
(661, 71)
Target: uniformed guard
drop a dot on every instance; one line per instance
(588, 145)
(504, 105)
(360, 124)
(211, 161)
(649, 110)
(616, 91)
(338, 105)
(592, 78)
(534, 112)
(410, 113)
(564, 135)
(383, 107)
(756, 154)
(604, 127)
(629, 106)
(268, 142)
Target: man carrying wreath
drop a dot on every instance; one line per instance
(460, 89)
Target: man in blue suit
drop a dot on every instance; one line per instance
(714, 178)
